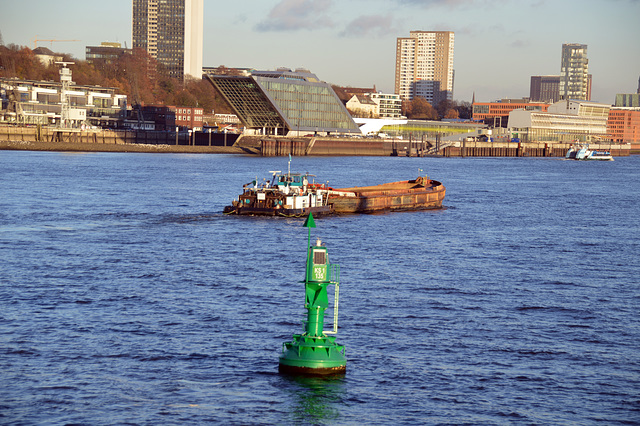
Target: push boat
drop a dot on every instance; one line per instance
(582, 152)
(294, 195)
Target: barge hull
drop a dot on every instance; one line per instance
(391, 197)
(267, 211)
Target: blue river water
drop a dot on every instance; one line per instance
(127, 297)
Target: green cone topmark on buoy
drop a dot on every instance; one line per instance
(313, 352)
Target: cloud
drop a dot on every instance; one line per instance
(520, 44)
(377, 25)
(294, 15)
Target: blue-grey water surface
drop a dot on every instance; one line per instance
(127, 297)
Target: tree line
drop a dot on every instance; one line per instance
(137, 75)
(420, 109)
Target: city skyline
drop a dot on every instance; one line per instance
(499, 44)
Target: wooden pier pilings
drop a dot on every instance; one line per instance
(487, 149)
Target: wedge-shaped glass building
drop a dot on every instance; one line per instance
(285, 102)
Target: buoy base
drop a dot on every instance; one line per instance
(306, 371)
(311, 355)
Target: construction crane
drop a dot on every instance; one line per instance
(36, 40)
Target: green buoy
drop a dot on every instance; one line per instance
(314, 352)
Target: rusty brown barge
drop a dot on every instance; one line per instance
(293, 195)
(418, 194)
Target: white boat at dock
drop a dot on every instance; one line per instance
(582, 152)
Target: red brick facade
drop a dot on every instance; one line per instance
(623, 125)
(189, 117)
(484, 110)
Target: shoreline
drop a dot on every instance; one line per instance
(285, 147)
(137, 148)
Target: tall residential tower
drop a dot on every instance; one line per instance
(424, 66)
(575, 82)
(171, 31)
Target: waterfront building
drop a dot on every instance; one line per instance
(40, 102)
(284, 102)
(164, 118)
(189, 117)
(417, 130)
(171, 31)
(220, 120)
(623, 125)
(424, 66)
(545, 88)
(497, 113)
(575, 81)
(564, 121)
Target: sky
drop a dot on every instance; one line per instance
(499, 44)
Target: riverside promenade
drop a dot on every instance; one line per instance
(53, 139)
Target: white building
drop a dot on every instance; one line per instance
(193, 36)
(362, 106)
(376, 105)
(424, 66)
(565, 121)
(40, 102)
(389, 105)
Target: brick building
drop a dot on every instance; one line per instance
(623, 125)
(498, 112)
(189, 117)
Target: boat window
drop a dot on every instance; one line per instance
(319, 257)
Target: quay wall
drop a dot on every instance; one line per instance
(52, 139)
(35, 138)
(383, 147)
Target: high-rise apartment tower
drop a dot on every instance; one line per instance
(424, 66)
(171, 31)
(574, 72)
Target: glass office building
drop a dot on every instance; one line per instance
(284, 101)
(564, 121)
